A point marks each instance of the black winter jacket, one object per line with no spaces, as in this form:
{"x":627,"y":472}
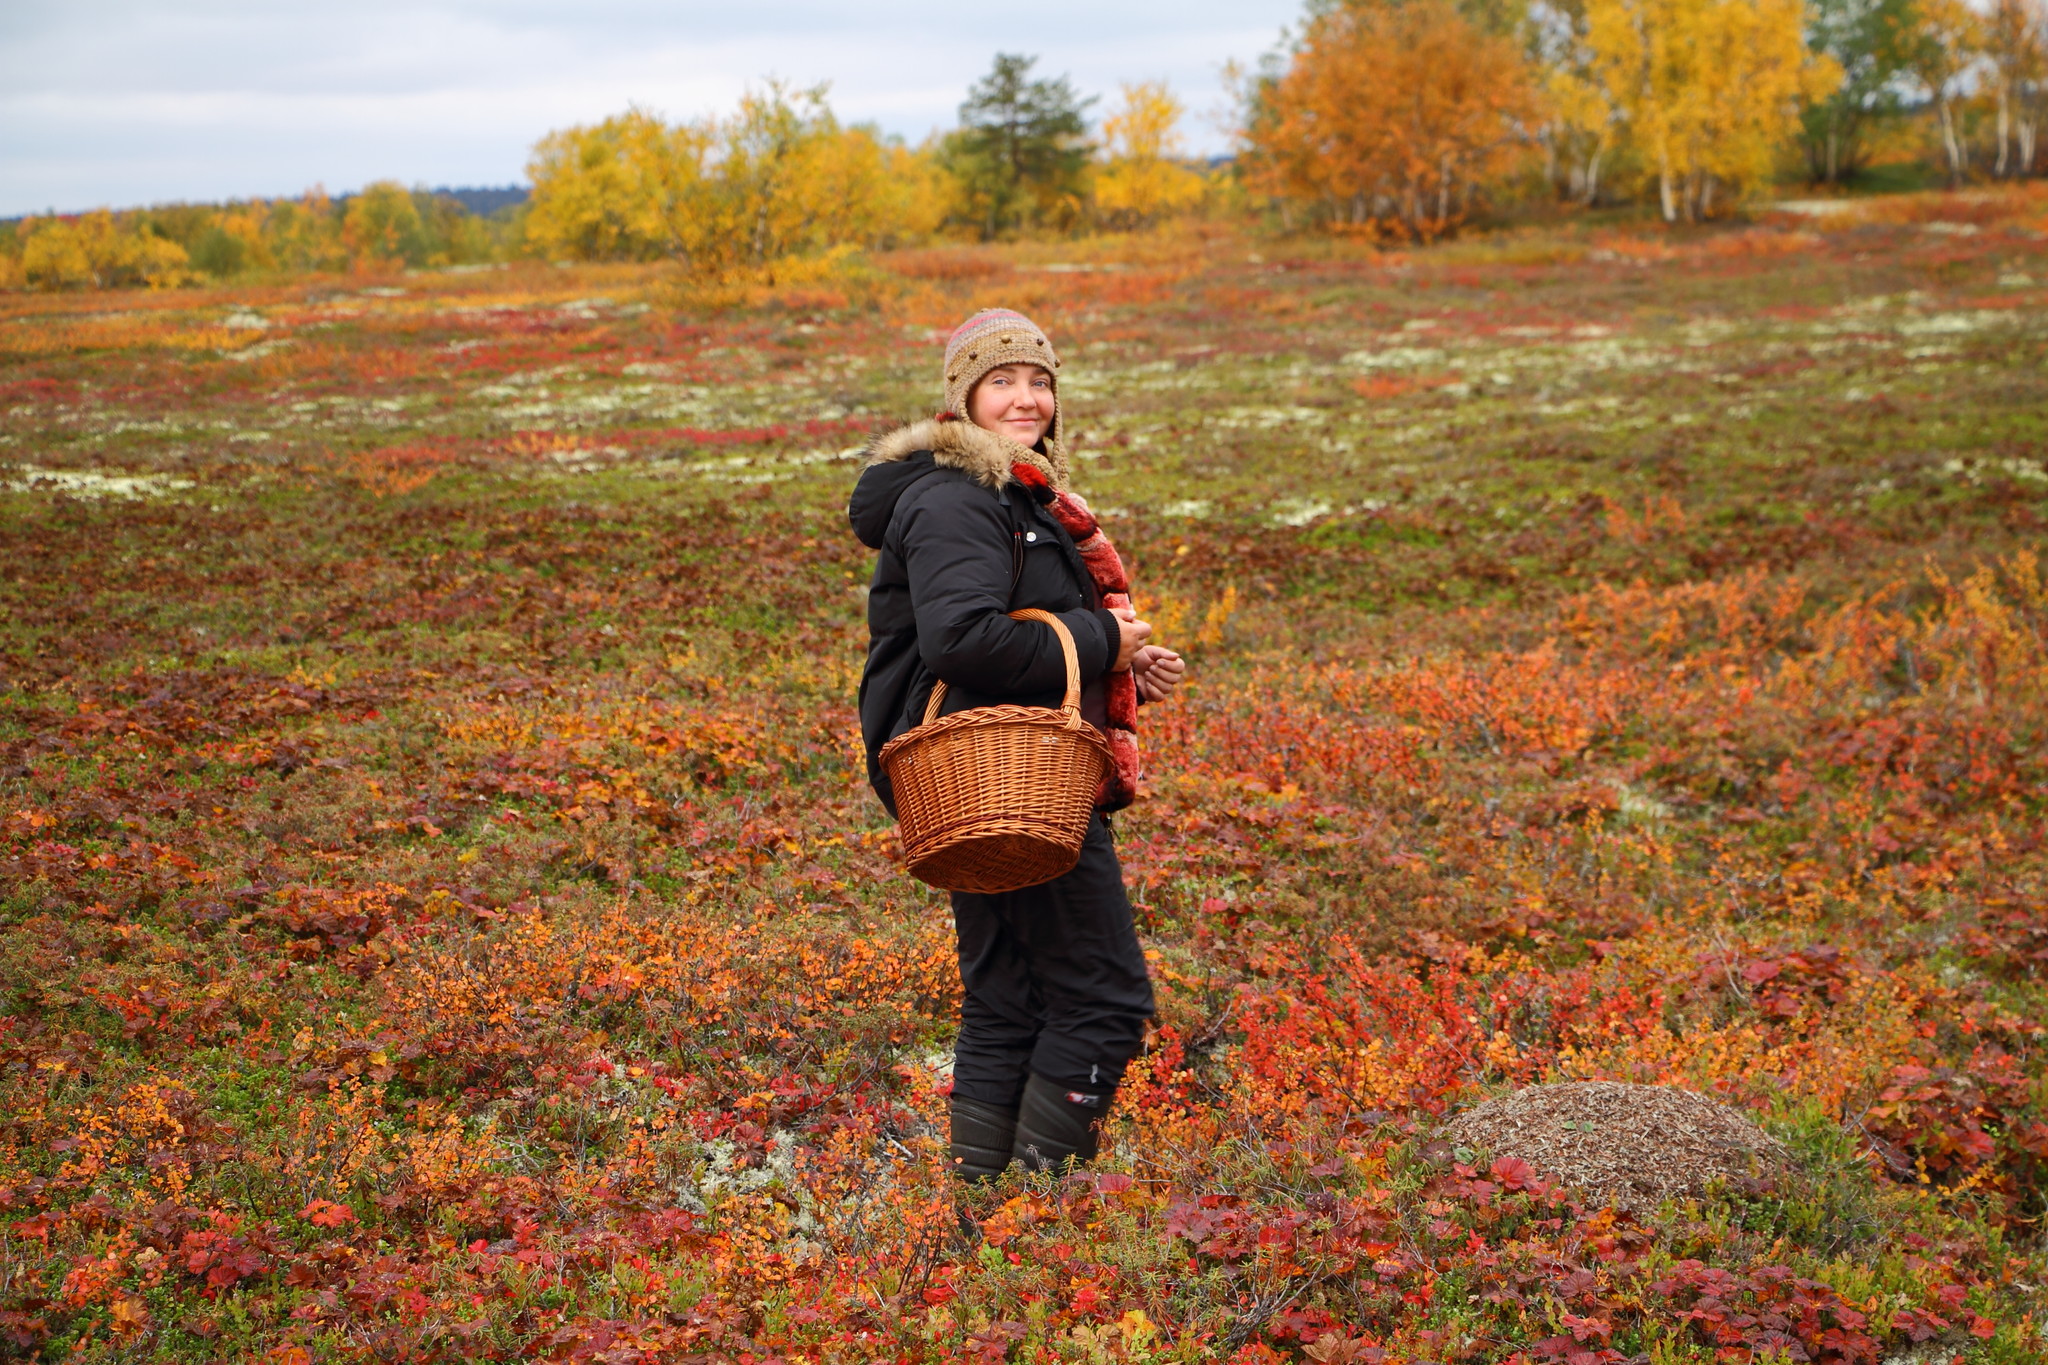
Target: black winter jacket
{"x":959,"y":546}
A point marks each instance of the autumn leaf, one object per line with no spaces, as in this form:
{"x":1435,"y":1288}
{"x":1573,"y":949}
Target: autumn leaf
{"x":129,"y":1315}
{"x":327,"y":1214}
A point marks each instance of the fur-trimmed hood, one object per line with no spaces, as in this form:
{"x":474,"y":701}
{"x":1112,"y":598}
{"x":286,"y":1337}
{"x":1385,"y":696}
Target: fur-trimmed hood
{"x":957,"y":444}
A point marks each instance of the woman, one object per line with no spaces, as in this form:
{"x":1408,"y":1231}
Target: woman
{"x":972,"y":518}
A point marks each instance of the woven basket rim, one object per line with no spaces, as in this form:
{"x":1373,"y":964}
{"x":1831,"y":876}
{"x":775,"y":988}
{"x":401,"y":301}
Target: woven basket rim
{"x":989,"y":717}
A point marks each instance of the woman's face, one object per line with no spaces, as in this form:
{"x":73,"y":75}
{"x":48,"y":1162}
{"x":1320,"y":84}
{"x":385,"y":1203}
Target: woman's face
{"x":1015,"y":400}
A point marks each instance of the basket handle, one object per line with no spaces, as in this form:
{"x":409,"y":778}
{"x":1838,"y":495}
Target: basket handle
{"x":1071,"y":705}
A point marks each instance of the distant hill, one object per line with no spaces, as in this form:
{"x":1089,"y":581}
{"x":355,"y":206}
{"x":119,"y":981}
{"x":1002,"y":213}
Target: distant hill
{"x":483,"y":201}
{"x":486,"y":201}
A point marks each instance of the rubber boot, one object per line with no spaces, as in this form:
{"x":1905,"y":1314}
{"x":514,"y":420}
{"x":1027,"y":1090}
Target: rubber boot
{"x":982,"y":1135}
{"x":1056,"y":1125}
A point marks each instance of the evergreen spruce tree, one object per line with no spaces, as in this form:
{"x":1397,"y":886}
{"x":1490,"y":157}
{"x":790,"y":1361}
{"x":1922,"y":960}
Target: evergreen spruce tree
{"x":1020,"y":153}
{"x":1871,"y":40}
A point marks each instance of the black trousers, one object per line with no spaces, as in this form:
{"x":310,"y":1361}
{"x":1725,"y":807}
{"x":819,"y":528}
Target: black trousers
{"x":1053,"y":981}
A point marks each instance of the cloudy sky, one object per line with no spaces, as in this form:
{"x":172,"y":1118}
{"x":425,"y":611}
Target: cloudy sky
{"x":124,"y":102}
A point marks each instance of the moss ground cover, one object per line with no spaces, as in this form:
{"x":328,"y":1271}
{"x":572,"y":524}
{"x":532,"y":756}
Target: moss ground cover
{"x":444,"y":919}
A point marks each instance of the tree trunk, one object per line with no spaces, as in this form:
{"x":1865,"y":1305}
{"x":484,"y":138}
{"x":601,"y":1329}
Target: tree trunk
{"x":1667,"y":190}
{"x":2004,"y":134}
{"x":1593,"y":175}
{"x":1951,"y":144}
{"x":1852,"y":156}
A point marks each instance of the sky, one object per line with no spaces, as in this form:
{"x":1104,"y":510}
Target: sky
{"x":118,"y":103}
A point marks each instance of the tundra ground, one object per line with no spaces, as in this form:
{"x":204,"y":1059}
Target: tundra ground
{"x":445,"y":920}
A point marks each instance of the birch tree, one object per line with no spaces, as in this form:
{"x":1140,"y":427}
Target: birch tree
{"x":1948,"y":39}
{"x":2016,"y":48}
{"x":1708,"y":89}
{"x":1142,"y":177}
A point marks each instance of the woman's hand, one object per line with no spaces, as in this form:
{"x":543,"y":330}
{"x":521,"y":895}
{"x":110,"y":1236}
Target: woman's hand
{"x":1131,"y":636}
{"x":1157,"y":670}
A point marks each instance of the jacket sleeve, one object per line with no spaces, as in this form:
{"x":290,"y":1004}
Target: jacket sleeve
{"x":956,"y":546}
{"x":1113,"y":636}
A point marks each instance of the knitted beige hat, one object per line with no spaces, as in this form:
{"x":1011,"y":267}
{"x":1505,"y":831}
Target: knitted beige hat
{"x":992,"y":337}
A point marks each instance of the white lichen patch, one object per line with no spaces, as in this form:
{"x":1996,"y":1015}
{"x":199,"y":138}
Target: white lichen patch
{"x":1640,"y":808}
{"x":1976,"y":471}
{"x":1395,"y":358}
{"x":1936,"y":324}
{"x":93,"y":483}
{"x":583,"y":459}
{"x":1267,"y":417}
{"x":1299,"y":511}
{"x":258,"y":351}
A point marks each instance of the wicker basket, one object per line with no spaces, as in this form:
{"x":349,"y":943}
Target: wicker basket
{"x":998,"y":798}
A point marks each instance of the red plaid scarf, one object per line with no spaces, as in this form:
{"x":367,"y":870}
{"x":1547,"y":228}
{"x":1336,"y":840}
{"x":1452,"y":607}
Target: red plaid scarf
{"x":1106,"y":567}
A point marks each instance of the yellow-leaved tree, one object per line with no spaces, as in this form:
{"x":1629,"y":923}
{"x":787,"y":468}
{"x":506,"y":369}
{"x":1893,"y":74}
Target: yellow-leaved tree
{"x":1707,"y":89}
{"x":1580,"y":123}
{"x":1142,"y":178}
{"x":612,"y":191}
{"x":98,"y":250}
{"x":729,"y":198}
{"x":381,"y":226}
{"x":789,"y":181}
{"x":1581,"y":131}
{"x":301,"y":234}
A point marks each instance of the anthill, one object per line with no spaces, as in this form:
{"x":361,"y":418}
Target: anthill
{"x":1630,"y":1145}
